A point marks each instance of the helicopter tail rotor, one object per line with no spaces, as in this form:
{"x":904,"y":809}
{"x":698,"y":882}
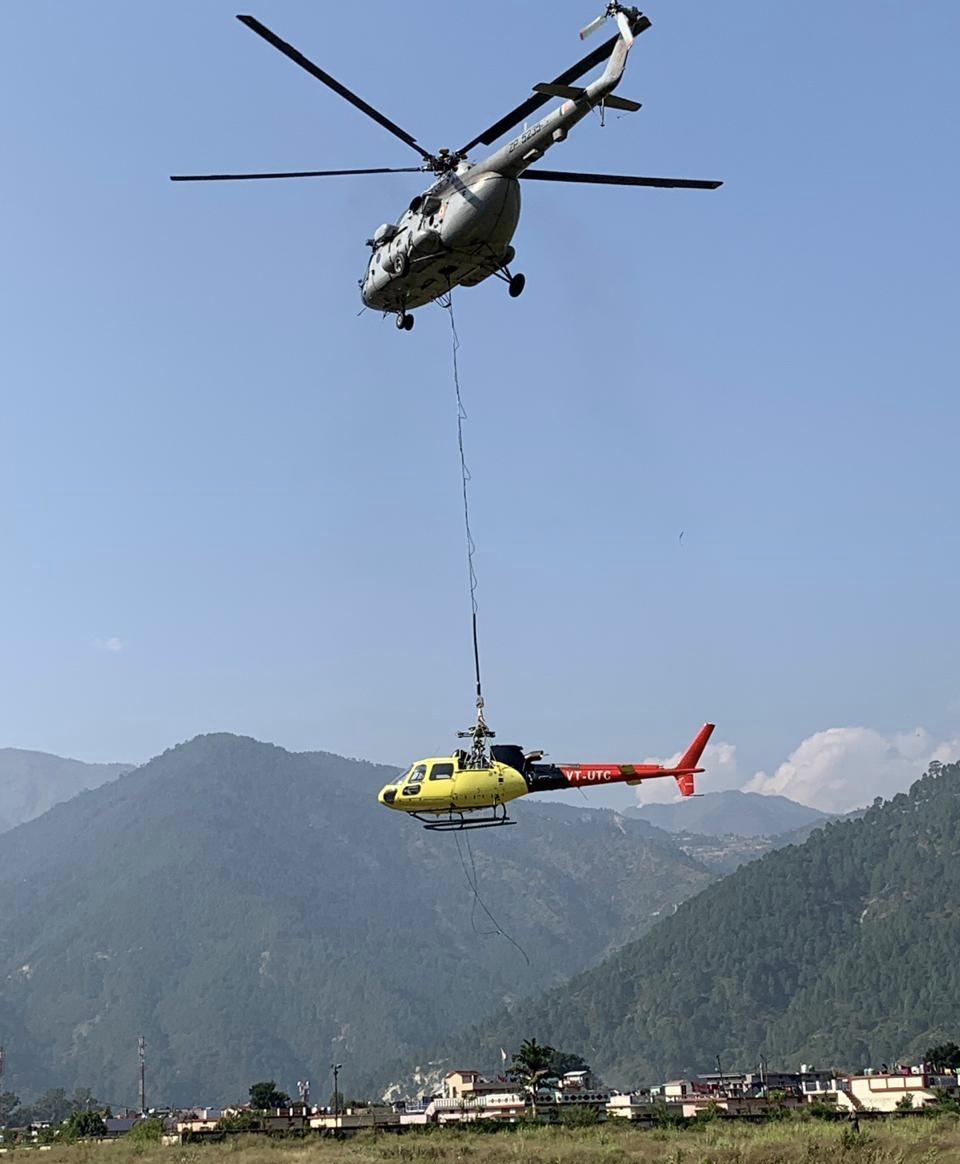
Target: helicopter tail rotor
{"x":623,"y":23}
{"x":592,"y":27}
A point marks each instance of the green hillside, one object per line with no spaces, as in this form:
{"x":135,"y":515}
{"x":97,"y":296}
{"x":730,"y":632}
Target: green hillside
{"x":254,"y":913}
{"x":32,"y":782}
{"x":839,"y":951}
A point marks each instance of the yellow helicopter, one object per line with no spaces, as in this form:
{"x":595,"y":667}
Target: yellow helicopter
{"x":445,"y":792}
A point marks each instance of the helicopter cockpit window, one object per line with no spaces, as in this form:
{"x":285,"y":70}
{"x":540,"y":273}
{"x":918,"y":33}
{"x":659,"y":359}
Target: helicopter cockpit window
{"x":383,"y":234}
{"x":442,"y":772}
{"x":417,"y":773}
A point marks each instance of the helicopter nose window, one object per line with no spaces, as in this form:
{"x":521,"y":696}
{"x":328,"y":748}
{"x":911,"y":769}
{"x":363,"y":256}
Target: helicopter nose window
{"x":411,"y":783}
{"x":442,"y":772}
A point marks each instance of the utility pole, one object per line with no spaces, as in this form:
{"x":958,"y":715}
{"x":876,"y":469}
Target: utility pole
{"x":336,"y":1068}
{"x":3,"y":1064}
{"x":142,"y":1055}
{"x":720,"y":1073}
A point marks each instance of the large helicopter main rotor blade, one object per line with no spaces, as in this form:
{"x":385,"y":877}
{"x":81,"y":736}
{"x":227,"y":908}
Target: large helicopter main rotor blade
{"x":532,"y":104}
{"x":315,"y":71}
{"x":620,"y":180}
{"x":292,"y":174}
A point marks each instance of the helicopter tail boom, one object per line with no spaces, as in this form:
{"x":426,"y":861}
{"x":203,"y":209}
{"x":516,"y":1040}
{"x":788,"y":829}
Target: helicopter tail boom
{"x":684,"y":771}
{"x":631,"y":23}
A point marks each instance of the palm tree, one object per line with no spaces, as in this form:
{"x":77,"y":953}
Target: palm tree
{"x":531,"y":1064}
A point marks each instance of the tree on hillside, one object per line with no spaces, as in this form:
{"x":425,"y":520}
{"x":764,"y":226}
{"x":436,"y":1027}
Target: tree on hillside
{"x":8,"y":1107}
{"x":85,"y":1125}
{"x":561,"y":1062}
{"x":52,"y":1107}
{"x":944,"y":1057}
{"x":265,"y":1095}
{"x":531,"y":1064}
{"x":84,"y":1100}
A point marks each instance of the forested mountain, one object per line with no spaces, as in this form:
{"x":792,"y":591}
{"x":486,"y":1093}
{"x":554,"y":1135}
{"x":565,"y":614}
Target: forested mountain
{"x":255,"y":913}
{"x":32,"y":782}
{"x":724,"y":854}
{"x":839,"y":951}
{"x":744,"y":814}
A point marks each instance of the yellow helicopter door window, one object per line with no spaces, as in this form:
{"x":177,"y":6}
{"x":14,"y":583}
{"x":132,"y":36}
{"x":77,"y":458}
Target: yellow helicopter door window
{"x":442,"y":772}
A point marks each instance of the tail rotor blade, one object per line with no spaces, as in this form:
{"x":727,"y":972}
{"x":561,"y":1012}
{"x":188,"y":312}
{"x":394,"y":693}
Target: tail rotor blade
{"x":592,"y":27}
{"x":626,"y":31}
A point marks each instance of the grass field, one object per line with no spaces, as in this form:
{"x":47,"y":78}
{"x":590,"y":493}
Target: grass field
{"x":927,"y":1141}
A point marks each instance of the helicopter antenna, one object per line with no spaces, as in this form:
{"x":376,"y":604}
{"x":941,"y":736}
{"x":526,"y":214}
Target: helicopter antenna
{"x":479,"y":733}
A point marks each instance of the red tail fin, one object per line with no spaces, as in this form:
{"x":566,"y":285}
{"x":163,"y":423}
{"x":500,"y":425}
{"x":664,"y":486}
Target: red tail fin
{"x":687,"y":768}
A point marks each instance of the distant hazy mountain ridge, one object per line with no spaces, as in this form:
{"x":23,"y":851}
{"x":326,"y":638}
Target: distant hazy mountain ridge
{"x":838,"y":951}
{"x":32,"y":782}
{"x":744,"y":814}
{"x":254,"y":912}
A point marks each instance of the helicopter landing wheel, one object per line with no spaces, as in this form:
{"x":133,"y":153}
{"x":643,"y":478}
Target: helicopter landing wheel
{"x":404,"y":322}
{"x":517,"y":284}
{"x":401,"y":264}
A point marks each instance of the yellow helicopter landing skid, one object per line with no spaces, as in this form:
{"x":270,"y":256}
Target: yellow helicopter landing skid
{"x":456,"y":822}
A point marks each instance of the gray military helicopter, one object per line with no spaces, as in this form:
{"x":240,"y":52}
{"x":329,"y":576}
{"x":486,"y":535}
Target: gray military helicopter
{"x":459,"y":231}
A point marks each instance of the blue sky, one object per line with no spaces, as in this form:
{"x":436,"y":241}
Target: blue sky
{"x":211,"y":463}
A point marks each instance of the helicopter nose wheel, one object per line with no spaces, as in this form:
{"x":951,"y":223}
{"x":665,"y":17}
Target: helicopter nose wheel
{"x":404,"y":322}
{"x":516,"y":285}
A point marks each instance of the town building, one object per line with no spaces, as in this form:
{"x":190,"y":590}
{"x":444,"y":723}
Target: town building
{"x":890,"y":1092}
{"x":462,"y":1084}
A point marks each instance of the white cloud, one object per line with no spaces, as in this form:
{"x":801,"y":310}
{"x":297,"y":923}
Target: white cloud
{"x":844,"y":768}
{"x":835,"y":770}
{"x":111,"y":644}
{"x":720,"y":761}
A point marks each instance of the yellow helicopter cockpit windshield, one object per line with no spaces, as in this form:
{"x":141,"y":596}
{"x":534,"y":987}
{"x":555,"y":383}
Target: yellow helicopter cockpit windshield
{"x":427,"y":782}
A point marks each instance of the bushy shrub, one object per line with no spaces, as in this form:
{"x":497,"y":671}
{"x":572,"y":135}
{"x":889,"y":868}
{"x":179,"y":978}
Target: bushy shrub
{"x":85,"y":1125}
{"x":579,"y":1115}
{"x":146,"y":1132}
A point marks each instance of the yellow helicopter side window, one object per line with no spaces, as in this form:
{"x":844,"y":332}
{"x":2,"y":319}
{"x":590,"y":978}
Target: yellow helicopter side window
{"x":442,"y":771}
